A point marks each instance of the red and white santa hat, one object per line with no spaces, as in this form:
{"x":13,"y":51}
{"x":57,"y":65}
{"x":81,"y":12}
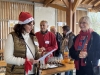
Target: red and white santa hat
{"x":25,"y":17}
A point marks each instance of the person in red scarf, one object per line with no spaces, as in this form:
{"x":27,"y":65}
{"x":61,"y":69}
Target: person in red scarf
{"x":86,"y":48}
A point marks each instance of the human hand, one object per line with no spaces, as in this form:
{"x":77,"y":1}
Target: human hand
{"x":33,"y":61}
{"x":83,"y":54}
{"x":41,"y":49}
{"x":43,"y":53}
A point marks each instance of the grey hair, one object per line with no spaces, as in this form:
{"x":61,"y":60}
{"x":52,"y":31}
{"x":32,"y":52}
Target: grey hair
{"x":52,"y":27}
{"x":44,"y":21}
{"x":86,"y":19}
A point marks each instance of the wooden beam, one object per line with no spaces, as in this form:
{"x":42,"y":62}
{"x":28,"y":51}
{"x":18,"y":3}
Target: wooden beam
{"x":66,"y":3}
{"x":96,"y":7}
{"x":76,"y":4}
{"x":58,"y":7}
{"x":36,"y":1}
{"x":96,"y":3}
{"x":85,"y":1}
{"x":90,"y":3}
{"x":99,"y":10}
{"x":74,"y":22}
{"x":46,"y":2}
{"x":69,"y":14}
{"x":82,"y":1}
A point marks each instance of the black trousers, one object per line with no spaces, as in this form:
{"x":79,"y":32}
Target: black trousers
{"x":31,"y":74}
{"x":83,"y":70}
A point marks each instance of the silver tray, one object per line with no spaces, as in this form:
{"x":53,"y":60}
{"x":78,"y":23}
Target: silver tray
{"x":50,"y":66}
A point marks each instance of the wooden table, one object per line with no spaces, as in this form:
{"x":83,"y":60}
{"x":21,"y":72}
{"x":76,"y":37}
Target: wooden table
{"x":3,"y":63}
{"x":1,"y":51}
{"x":65,"y":68}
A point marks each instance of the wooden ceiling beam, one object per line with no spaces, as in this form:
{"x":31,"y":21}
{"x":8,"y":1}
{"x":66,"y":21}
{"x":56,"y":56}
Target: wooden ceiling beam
{"x":85,"y":1}
{"x":76,"y":4}
{"x":96,"y":7}
{"x":99,"y":10}
{"x":90,"y":2}
{"x":58,"y":7}
{"x":35,"y":1}
{"x":46,"y":2}
{"x":96,"y":3}
{"x":66,"y":3}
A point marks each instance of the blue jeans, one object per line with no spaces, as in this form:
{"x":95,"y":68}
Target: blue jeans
{"x":69,"y":72}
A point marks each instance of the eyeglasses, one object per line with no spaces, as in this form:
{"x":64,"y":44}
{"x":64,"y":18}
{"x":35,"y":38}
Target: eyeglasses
{"x":82,"y":23}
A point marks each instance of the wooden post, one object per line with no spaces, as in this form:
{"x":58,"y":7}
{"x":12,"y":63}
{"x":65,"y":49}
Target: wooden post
{"x":69,"y":15}
{"x":74,"y":22}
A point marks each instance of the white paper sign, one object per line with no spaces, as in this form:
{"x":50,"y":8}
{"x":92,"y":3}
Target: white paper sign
{"x":42,"y":58}
{"x":60,"y":23}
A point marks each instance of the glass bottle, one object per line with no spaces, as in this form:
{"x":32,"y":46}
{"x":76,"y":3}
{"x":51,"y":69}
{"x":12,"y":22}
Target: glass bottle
{"x":66,"y":55}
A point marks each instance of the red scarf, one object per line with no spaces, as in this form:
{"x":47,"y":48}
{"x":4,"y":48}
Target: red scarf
{"x":87,"y":33}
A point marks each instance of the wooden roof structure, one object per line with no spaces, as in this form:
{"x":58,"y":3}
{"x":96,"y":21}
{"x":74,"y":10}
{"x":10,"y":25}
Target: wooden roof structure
{"x":70,"y":7}
{"x":91,"y":5}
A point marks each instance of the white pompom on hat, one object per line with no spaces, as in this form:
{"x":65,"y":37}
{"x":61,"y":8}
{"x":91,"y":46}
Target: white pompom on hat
{"x":25,"y":17}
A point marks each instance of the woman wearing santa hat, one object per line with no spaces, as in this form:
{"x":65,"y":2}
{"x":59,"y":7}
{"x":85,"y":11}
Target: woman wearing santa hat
{"x":20,"y":51}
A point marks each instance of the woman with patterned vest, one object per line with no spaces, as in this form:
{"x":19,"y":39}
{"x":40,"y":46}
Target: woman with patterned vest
{"x":20,"y":51}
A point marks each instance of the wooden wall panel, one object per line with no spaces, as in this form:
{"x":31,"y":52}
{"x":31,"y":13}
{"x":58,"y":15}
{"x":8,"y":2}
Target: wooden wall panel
{"x":79,"y":14}
{"x":10,"y":11}
{"x":61,"y":17}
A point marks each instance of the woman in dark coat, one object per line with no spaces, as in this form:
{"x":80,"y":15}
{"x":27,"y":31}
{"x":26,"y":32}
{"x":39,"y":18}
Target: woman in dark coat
{"x":86,"y":48}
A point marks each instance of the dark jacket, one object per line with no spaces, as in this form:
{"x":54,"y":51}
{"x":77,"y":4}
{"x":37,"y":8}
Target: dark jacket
{"x":93,"y":50}
{"x":59,"y":42}
{"x":70,"y":40}
{"x":67,"y":45}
